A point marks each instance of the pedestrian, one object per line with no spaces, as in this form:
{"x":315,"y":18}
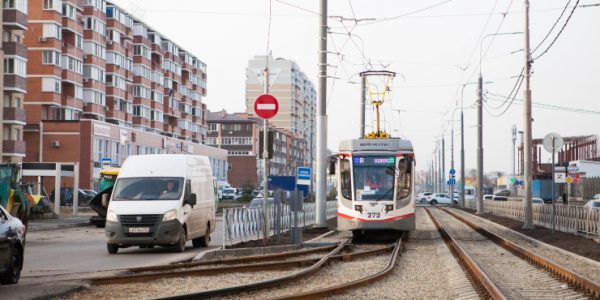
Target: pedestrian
{"x":565,"y":200}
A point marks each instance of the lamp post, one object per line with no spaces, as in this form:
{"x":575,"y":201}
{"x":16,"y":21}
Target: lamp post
{"x":480,"y":126}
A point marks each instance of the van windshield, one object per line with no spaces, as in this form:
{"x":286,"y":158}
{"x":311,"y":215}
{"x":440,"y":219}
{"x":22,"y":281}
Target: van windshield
{"x":148,"y":188}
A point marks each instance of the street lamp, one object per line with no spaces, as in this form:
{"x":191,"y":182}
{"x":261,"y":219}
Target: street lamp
{"x":480,"y":126}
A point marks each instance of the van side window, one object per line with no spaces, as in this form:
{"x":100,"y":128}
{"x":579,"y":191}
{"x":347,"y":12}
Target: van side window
{"x":188,"y":189}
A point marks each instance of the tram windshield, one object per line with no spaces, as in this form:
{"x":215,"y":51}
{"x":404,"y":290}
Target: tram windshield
{"x":374,"y":177}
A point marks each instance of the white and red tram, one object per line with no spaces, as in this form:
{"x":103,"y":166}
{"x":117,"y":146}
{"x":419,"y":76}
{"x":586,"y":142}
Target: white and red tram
{"x":375,"y":185}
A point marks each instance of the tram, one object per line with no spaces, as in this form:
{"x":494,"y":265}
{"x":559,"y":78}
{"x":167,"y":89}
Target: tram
{"x":375,"y":185}
{"x":375,"y":177}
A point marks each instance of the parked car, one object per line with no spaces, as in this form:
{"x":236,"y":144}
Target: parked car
{"x":12,"y":247}
{"x":495,"y":198}
{"x":228,"y":193}
{"x":258,"y":202}
{"x":593,"y":204}
{"x":596,"y":197}
{"x":66,"y":196}
{"x":488,"y":197}
{"x":424,"y":196}
{"x":440,"y":198}
{"x":537,"y":201}
{"x":504,"y":193}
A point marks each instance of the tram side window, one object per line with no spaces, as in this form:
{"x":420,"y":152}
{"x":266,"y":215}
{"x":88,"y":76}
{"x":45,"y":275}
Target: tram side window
{"x":404,"y":178}
{"x":346,"y":178}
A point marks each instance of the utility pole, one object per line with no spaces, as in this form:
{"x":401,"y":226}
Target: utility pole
{"x":528,"y":223}
{"x":462,"y":158}
{"x":443,"y":165}
{"x":480,"y":145}
{"x":321,"y":200}
{"x":440,"y":166}
{"x":266,"y":158}
{"x":514,"y":174}
{"x":363,"y":100}
{"x":452,"y":161}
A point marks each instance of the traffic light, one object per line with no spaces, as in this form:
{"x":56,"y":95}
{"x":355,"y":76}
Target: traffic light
{"x":269,"y":146}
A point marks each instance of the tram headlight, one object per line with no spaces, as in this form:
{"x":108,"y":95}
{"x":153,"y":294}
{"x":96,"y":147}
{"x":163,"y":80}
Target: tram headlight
{"x":358,"y":208}
{"x":389,"y":207}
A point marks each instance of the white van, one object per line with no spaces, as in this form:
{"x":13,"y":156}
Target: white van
{"x":162,"y":199}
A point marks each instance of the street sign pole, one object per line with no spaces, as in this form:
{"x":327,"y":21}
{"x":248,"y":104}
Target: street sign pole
{"x":266,"y":161}
{"x":553,"y":141}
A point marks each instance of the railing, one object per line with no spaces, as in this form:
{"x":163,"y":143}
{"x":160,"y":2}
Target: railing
{"x":244,"y":224}
{"x":569,"y":218}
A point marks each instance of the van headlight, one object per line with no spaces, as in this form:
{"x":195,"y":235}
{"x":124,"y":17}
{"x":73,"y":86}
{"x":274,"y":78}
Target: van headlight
{"x":170,"y":215}
{"x":111,"y":216}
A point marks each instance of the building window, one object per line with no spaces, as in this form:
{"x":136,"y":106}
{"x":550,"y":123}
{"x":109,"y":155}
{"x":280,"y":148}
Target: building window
{"x":142,"y":111}
{"x":212,"y":127}
{"x":16,"y":66}
{"x":91,"y":23}
{"x":78,"y":92}
{"x":156,"y":115}
{"x":93,"y":96}
{"x":93,"y":72}
{"x":142,"y":50}
{"x":53,"y":4}
{"x":73,"y":64}
{"x":94,"y":49}
{"x":97,"y":4}
{"x":116,"y":81}
{"x":51,"y":57}
{"x":51,"y":84}
{"x":20,"y":5}
{"x":157,"y":97}
{"x":141,"y":70}
{"x":141,"y":91}
{"x":52,"y":31}
{"x":69,"y":11}
{"x":79,"y":41}
{"x":114,"y":36}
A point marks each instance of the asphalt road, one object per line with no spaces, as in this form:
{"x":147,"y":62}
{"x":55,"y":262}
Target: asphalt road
{"x":83,"y":249}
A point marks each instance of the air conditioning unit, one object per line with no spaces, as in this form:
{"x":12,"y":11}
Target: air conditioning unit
{"x":85,"y":56}
{"x":55,"y":144}
{"x":43,"y":39}
{"x":109,"y":42}
{"x":106,"y":108}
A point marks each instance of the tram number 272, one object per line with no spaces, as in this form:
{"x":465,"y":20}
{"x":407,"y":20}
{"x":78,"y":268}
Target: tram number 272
{"x":373,"y":215}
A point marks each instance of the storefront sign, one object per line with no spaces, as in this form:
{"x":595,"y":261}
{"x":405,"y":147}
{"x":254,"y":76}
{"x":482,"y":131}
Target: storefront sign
{"x":101,"y":130}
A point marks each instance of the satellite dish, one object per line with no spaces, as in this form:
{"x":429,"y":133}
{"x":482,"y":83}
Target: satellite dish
{"x":553,"y":142}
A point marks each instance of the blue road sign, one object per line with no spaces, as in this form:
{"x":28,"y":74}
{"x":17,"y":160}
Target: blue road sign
{"x":451,"y":181}
{"x":452,"y":172}
{"x":303,"y":176}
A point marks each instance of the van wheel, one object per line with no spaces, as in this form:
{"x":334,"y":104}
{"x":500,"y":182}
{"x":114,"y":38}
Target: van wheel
{"x":202,"y":241}
{"x":112,"y":248}
{"x":180,"y":246}
{"x":13,"y":272}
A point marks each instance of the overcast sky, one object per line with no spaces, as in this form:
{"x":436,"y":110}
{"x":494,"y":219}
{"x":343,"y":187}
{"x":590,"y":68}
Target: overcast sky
{"x":434,"y":47}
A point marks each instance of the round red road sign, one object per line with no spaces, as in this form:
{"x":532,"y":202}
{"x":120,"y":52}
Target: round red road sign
{"x":266,"y":106}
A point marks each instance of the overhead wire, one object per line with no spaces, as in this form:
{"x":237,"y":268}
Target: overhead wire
{"x":552,"y":28}
{"x":493,"y":97}
{"x":559,"y":33}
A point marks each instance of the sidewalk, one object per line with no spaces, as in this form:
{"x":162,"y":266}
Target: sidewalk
{"x":65,"y":220}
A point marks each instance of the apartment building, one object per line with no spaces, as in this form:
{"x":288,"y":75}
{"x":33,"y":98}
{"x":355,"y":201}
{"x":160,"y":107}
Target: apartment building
{"x":108,"y":85}
{"x":238,"y":133}
{"x":13,"y":82}
{"x":295,"y":93}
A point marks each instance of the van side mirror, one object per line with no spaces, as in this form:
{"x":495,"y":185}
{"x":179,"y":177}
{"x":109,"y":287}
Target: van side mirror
{"x":192,"y":199}
{"x":332,"y":162}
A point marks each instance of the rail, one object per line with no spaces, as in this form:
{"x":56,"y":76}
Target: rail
{"x":569,"y":218}
{"x":244,"y":224}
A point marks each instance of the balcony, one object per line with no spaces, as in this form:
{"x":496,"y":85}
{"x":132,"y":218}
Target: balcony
{"x":93,"y":108}
{"x":14,"y":115}
{"x":15,"y":82}
{"x":14,"y":19}
{"x":117,"y":115}
{"x":13,"y":148}
{"x":71,"y":101}
{"x":13,"y":48}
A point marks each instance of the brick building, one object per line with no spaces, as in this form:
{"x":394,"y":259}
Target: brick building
{"x":238,"y":133}
{"x":105,"y":83}
{"x":13,"y":82}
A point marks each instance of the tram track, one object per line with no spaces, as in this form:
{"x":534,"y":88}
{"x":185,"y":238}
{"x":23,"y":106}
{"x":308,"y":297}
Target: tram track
{"x":165,"y":279}
{"x":505,"y":270}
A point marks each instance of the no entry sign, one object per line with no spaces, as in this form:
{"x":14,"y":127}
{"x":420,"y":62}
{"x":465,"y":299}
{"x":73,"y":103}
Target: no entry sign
{"x":266,"y":106}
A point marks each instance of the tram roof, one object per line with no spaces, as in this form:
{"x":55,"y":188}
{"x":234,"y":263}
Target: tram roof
{"x":376,"y":144}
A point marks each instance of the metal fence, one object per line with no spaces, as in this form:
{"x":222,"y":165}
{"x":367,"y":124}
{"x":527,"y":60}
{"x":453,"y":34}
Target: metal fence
{"x":244,"y":224}
{"x":569,"y":218}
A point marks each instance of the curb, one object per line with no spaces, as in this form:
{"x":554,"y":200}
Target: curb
{"x":44,"y":227}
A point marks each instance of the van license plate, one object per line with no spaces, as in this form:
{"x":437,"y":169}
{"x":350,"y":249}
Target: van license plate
{"x":139,"y":229}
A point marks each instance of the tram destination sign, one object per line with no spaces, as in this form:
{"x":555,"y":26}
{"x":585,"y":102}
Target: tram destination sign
{"x":374,"y":160}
